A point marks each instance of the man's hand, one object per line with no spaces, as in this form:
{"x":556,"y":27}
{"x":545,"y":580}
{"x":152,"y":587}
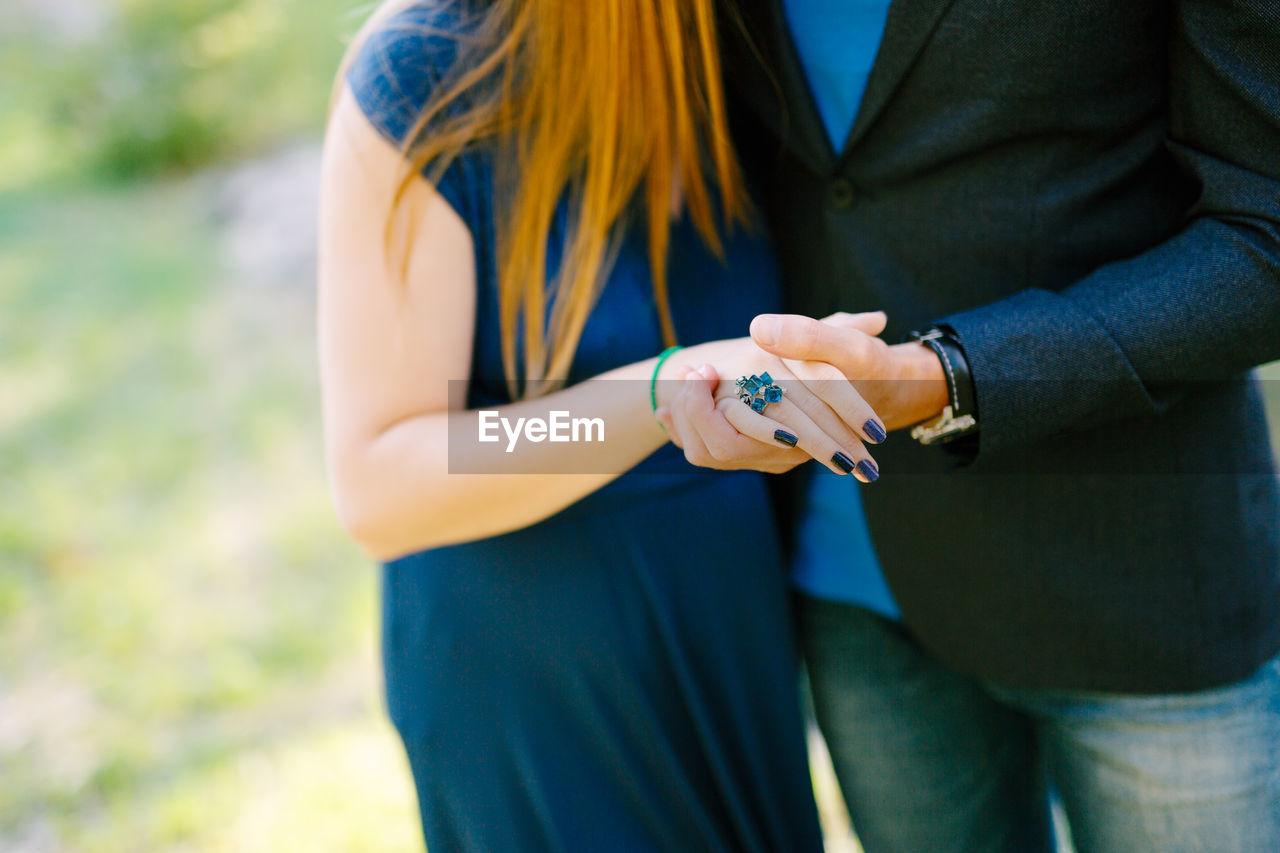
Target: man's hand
{"x":904,"y":383}
{"x":707,"y":420}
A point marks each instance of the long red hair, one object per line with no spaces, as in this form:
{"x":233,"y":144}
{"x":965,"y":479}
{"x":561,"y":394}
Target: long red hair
{"x":616,"y":105}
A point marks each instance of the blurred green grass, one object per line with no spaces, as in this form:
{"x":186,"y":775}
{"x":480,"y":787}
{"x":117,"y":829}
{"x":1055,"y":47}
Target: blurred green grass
{"x":188,"y":654}
{"x":116,"y":89}
{"x":187,"y":647}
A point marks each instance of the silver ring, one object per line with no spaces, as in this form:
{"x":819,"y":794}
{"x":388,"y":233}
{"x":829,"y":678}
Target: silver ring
{"x":758,"y":391}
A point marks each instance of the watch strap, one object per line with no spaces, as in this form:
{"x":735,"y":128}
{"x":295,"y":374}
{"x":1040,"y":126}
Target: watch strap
{"x":960,"y":416}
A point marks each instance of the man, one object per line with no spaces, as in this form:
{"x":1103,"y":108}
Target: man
{"x":1076,"y":205}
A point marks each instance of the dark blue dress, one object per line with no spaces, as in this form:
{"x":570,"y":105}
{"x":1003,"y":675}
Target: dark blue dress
{"x":621,"y":676}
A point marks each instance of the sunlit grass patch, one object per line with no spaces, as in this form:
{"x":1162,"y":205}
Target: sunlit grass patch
{"x":177,"y":603}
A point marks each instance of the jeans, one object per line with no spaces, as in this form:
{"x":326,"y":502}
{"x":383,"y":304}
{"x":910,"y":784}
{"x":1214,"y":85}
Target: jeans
{"x":930,"y":759}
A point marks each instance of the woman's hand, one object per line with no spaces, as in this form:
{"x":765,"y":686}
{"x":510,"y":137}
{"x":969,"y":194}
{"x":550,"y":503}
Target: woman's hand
{"x":703,"y":415}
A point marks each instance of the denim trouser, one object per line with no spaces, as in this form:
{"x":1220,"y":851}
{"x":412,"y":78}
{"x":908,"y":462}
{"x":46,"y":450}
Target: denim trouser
{"x":932,"y":760}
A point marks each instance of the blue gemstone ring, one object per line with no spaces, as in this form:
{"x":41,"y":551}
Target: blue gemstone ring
{"x":758,"y":391}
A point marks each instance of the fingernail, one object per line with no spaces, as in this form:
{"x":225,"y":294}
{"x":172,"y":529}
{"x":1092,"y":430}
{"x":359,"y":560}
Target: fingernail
{"x":783,"y":437}
{"x":868,"y":469}
{"x":707,"y":371}
{"x":843,"y":462}
{"x":872,"y":428}
{"x":765,"y":329}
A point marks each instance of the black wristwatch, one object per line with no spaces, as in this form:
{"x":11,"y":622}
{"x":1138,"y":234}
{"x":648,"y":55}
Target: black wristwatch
{"x":960,"y":417}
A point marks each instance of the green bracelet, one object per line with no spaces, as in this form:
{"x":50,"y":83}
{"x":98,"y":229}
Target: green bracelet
{"x":653,"y":381}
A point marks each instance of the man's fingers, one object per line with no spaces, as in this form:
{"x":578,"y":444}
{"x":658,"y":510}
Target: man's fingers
{"x":663,"y":414}
{"x":807,"y":339}
{"x":708,"y":372}
{"x":868,"y":322}
{"x":710,"y":440}
{"x":679,"y":414}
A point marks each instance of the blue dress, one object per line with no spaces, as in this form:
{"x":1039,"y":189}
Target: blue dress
{"x":621,"y":676}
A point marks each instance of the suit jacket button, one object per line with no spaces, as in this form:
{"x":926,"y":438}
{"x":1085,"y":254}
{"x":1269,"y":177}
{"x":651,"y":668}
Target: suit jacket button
{"x":842,"y":193}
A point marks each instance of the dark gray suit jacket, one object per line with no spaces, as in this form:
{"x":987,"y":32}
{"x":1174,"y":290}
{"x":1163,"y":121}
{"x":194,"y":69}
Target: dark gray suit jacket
{"x":1088,"y":192}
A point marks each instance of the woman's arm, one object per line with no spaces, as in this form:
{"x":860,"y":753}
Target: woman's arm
{"x":387,"y":353}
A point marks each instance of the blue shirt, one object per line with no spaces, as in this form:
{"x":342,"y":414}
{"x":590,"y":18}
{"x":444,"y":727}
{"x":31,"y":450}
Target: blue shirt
{"x":837,"y":42}
{"x":834,"y":558}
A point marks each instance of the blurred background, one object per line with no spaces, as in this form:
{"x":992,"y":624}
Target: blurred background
{"x":187,"y":639}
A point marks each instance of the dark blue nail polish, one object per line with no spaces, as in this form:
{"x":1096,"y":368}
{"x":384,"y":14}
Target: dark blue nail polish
{"x":783,"y":437}
{"x":868,"y":469}
{"x":872,"y":428}
{"x":844,"y":463}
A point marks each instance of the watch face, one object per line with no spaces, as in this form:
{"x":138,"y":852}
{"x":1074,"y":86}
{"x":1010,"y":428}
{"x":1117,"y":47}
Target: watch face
{"x":926,"y":335}
{"x":944,"y":428}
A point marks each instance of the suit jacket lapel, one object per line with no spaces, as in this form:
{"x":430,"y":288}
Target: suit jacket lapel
{"x":810,"y":134}
{"x":766,"y":73}
{"x":780,"y":94}
{"x":908,"y":27}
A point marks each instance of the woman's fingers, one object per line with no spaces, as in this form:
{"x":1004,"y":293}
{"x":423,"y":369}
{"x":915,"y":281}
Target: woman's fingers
{"x":844,"y":455}
{"x":710,"y":441}
{"x":716,"y":430}
{"x":760,"y":428}
{"x":837,"y":396}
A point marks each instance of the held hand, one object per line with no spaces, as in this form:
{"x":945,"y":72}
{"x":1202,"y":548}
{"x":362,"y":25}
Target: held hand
{"x":696,"y":424}
{"x":903,"y":383}
{"x":704,"y":416}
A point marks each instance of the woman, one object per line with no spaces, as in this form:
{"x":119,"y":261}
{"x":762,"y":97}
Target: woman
{"x":525,"y":195}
